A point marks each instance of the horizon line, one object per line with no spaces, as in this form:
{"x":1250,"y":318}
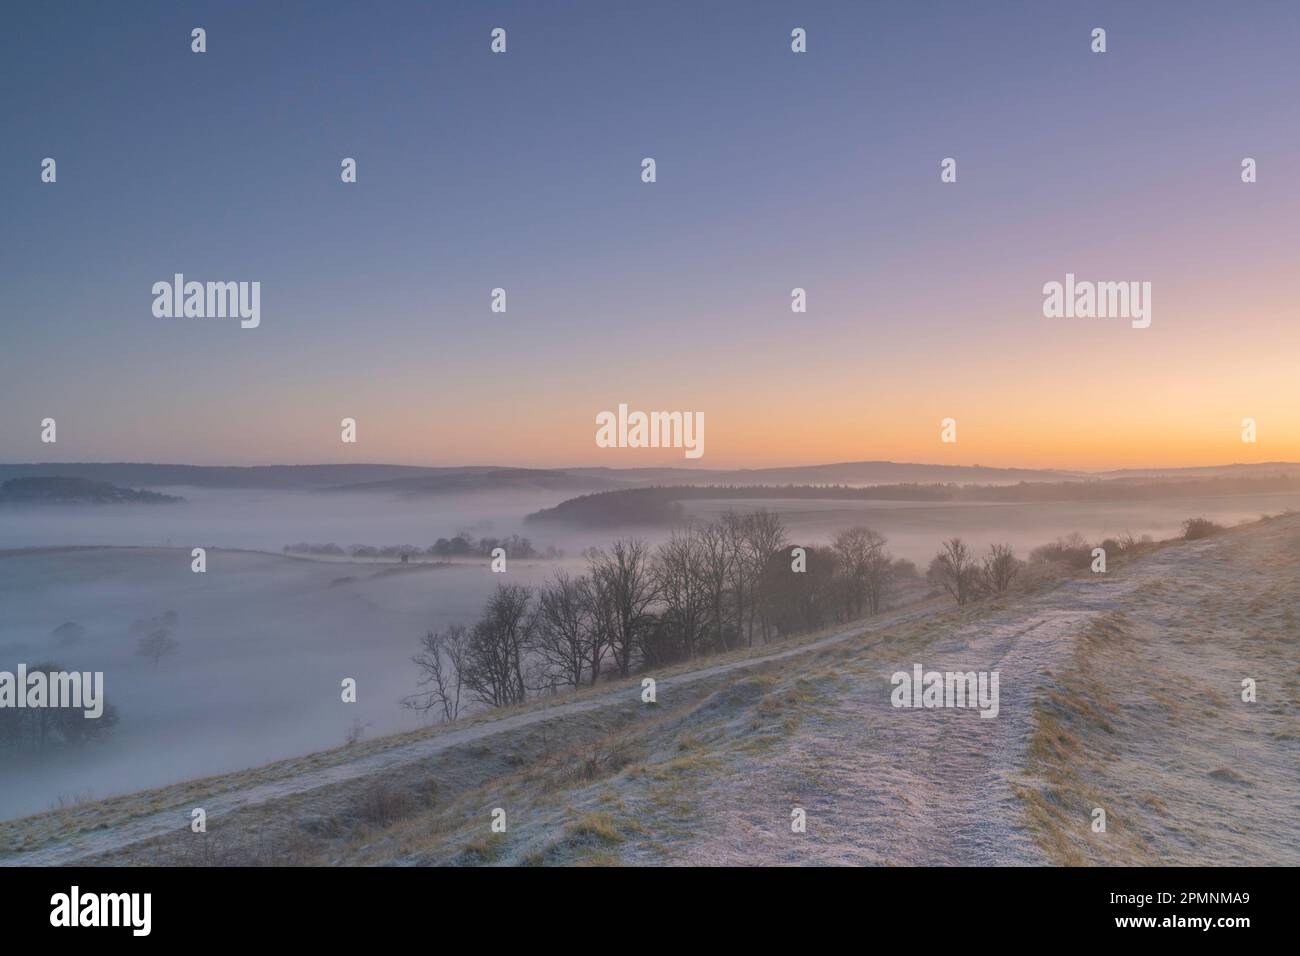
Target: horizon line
{"x":655,"y":467}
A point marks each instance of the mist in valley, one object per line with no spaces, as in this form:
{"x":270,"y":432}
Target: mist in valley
{"x":262,"y":640}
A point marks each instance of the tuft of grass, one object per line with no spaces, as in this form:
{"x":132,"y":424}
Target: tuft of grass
{"x":483,"y":849}
{"x":682,"y":766}
{"x":604,"y":757}
{"x":596,"y":826}
{"x":599,"y":859}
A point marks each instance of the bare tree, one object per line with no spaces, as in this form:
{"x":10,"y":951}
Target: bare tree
{"x":955,"y":569}
{"x":717,"y":556}
{"x":156,"y":645}
{"x":682,"y":583}
{"x":624,"y":575}
{"x":764,"y":535}
{"x":739,"y":573}
{"x":565,"y":631}
{"x":604,"y":617}
{"x":804,"y":600}
{"x":1000,"y":568}
{"x":441,"y":661}
{"x":880,"y":574}
{"x":866,"y":565}
{"x":494,"y":654}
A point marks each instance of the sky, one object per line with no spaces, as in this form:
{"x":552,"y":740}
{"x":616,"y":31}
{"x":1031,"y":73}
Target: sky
{"x":775,"y":170}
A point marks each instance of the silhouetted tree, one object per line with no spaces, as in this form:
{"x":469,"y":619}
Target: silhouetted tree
{"x":955,"y":570}
{"x":1000,"y":568}
{"x":681,"y":575}
{"x":866,"y":565}
{"x":624,"y":575}
{"x":442,"y":662}
{"x":494,"y":656}
{"x":156,"y":645}
{"x":565,"y":628}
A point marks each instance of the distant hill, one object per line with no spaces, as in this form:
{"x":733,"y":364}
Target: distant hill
{"x":496,"y":479}
{"x":218,"y":476}
{"x":417,"y":480}
{"x":840,"y":473}
{"x":662,"y":505}
{"x":63,"y":490}
{"x":410,"y":479}
{"x":1206,"y":471}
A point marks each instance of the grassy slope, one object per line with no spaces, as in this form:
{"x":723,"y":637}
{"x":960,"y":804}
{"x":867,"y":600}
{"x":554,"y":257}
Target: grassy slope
{"x":1148,"y":722}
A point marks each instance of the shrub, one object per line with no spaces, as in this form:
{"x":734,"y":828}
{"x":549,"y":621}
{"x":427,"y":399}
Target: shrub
{"x":1073,"y":551}
{"x":384,"y":803}
{"x":1194,"y":528}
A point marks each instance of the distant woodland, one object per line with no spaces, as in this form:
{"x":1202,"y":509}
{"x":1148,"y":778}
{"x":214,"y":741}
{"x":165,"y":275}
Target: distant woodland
{"x":662,"y":505}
